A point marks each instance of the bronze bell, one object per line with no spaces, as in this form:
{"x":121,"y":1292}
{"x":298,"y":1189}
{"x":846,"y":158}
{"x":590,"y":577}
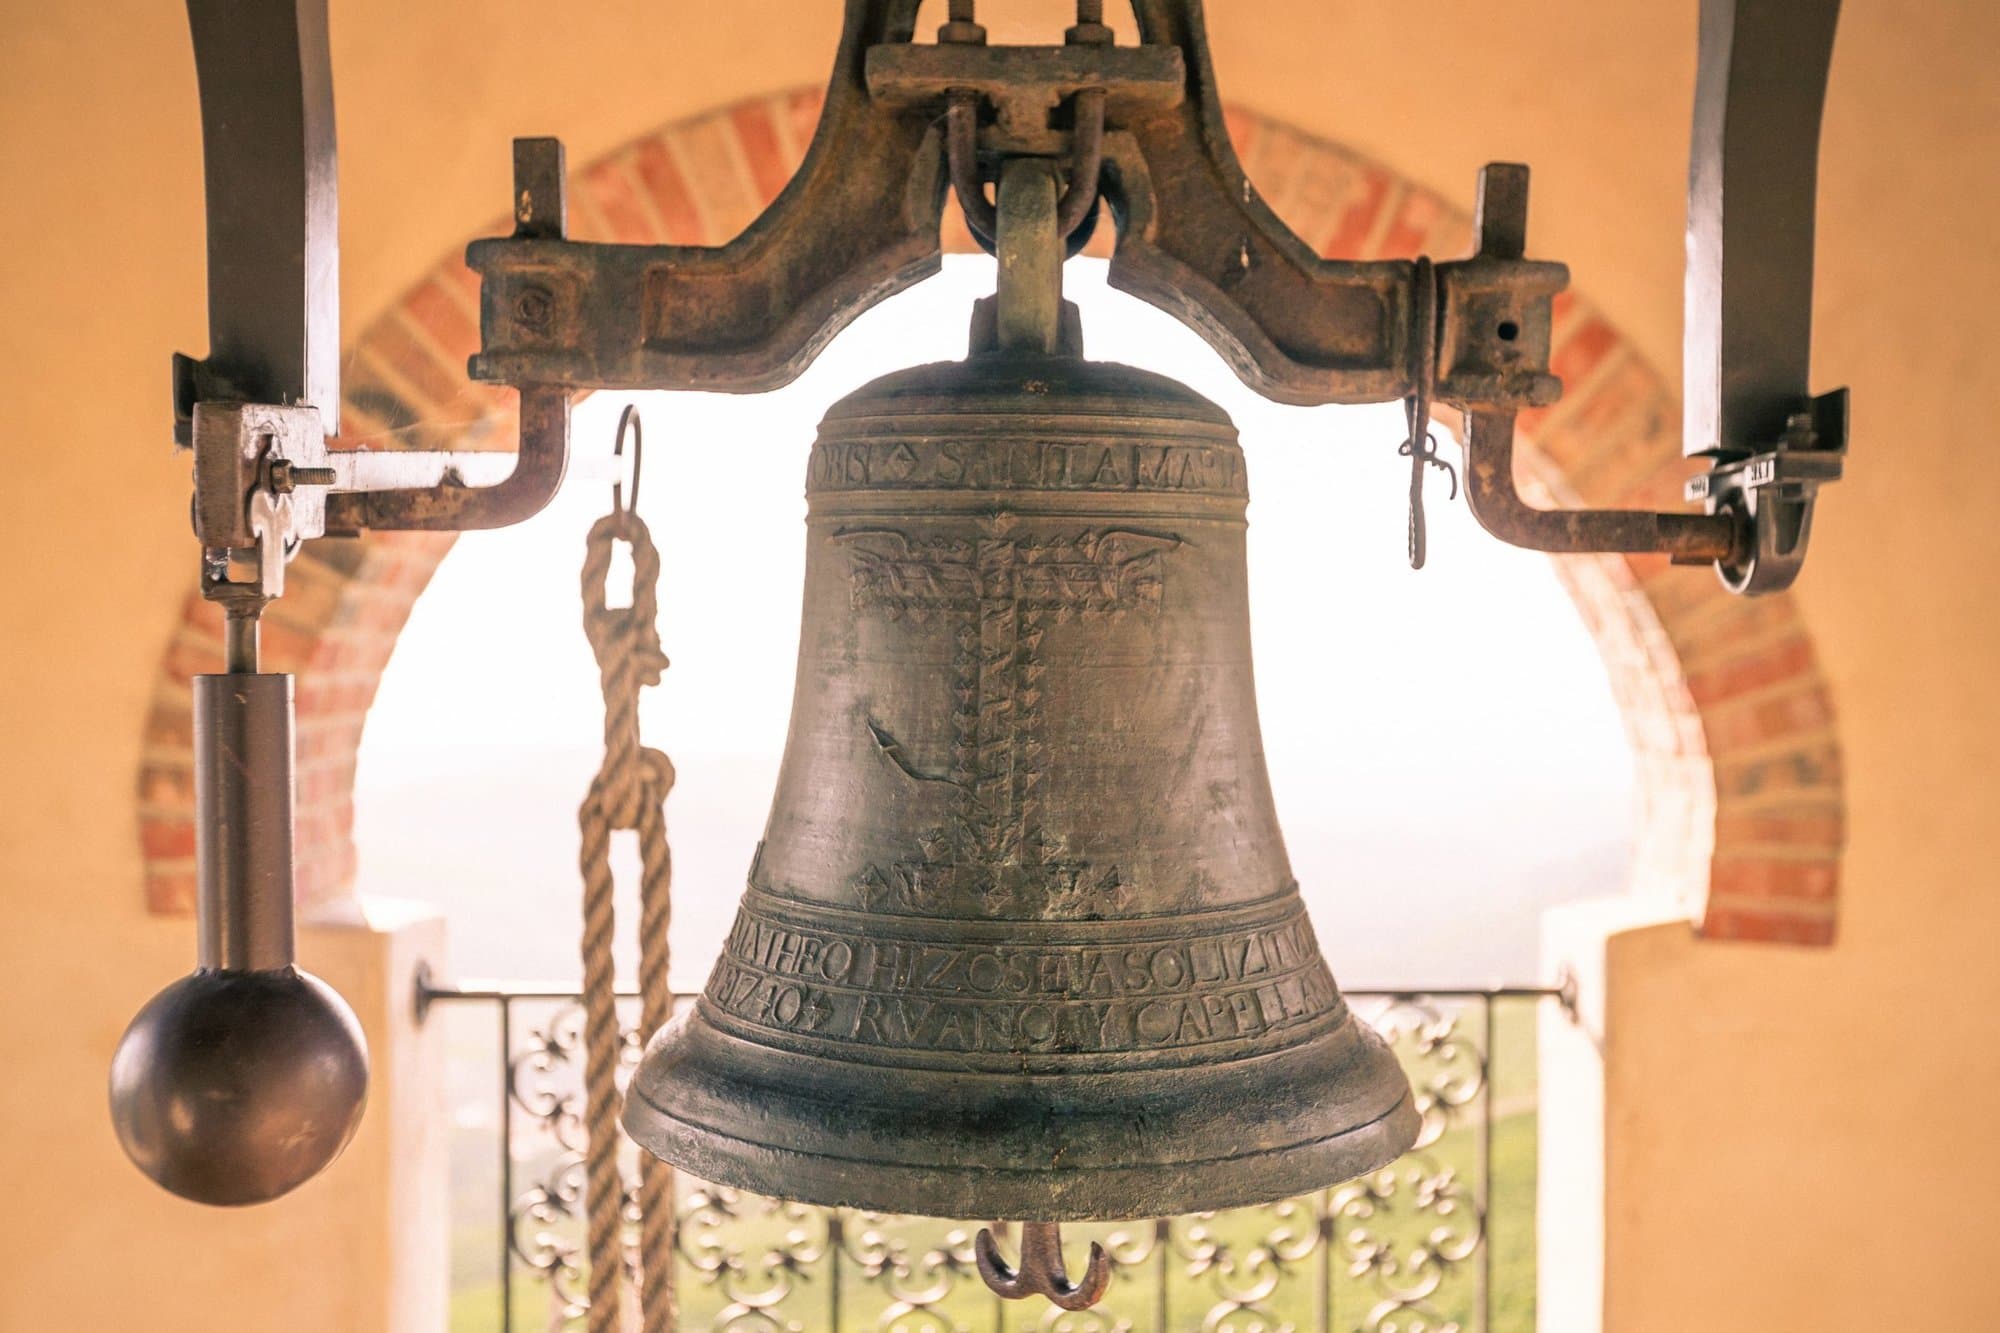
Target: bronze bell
{"x":1021,"y":939}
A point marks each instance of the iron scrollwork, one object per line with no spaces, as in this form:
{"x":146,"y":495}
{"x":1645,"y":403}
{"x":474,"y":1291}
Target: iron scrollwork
{"x":1406,"y":1249}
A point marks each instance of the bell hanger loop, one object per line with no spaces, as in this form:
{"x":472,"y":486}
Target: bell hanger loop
{"x":628,"y":424}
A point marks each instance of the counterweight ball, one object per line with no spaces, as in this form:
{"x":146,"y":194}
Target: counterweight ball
{"x":237,"y":1087}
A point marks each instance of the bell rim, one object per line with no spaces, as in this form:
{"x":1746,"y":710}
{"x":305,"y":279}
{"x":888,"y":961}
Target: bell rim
{"x":1097,"y":1190}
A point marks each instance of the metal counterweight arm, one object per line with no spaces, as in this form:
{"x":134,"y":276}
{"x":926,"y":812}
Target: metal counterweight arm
{"x":1490,"y":488}
{"x":271,"y":1060}
{"x":1762,"y":81}
{"x":1491,"y":494}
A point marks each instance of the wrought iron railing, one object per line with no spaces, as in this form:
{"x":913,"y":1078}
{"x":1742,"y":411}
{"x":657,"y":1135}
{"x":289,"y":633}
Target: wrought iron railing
{"x":1443,"y":1240}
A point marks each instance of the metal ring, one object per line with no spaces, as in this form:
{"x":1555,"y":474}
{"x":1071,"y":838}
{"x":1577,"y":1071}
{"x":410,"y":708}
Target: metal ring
{"x":1077,"y":208}
{"x":628,"y":420}
{"x":1086,"y":162}
{"x":962,"y":160}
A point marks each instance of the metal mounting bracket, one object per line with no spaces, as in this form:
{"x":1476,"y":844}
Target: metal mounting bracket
{"x":1753,"y":166}
{"x":258,"y":409}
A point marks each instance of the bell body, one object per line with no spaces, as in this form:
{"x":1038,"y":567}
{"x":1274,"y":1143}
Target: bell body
{"x":1022,"y":939}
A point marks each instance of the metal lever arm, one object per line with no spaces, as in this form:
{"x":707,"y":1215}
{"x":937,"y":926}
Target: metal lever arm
{"x":1490,"y":487}
{"x":1752,"y":173}
{"x":268,"y":165}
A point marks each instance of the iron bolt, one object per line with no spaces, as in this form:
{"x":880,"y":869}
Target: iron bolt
{"x":287,"y":476}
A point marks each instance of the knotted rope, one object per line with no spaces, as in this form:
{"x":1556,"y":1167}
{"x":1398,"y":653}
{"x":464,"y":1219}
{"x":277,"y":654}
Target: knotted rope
{"x":629,"y":792}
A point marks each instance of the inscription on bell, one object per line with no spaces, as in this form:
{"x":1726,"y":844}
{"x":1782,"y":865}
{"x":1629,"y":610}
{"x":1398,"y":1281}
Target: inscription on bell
{"x":1040,"y":465}
{"x":946,"y":996}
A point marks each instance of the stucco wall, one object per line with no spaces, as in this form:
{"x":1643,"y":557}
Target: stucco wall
{"x":1758,"y":1098}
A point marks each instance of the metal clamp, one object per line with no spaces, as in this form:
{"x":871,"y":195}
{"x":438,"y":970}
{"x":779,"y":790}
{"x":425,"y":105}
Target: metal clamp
{"x":259,"y":476}
{"x":1771,"y":495}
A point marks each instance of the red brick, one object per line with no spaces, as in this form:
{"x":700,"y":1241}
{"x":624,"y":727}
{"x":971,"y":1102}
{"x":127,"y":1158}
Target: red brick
{"x":1613,"y":408}
{"x":1749,"y":925}
{"x":1813,"y":769}
{"x":170,"y":892}
{"x":432,"y":308}
{"x":188,"y":656}
{"x":1707,"y":624}
{"x":1823,"y":829}
{"x":802,"y":110}
{"x":170,"y":726}
{"x":440,"y":382}
{"x":617,"y":198}
{"x":166,"y":838}
{"x":1581,"y":345}
{"x":168,"y":785}
{"x":672,"y":197}
{"x":1351,"y":211}
{"x":1659,"y":483}
{"x":1739,"y":725}
{"x":202,"y":616}
{"x":1784,"y":660}
{"x":1244,"y":128}
{"x":1417,"y":216}
{"x":285,"y":647}
{"x":761,"y":149}
{"x":1736,"y":880}
{"x":457,"y":273}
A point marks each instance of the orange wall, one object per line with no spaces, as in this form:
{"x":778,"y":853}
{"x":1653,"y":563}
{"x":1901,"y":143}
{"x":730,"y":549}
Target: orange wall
{"x":1759,"y":1099}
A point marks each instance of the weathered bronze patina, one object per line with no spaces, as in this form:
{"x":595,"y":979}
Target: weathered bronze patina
{"x":1022,"y":939}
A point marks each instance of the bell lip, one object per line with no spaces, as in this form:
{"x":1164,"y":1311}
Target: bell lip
{"x":968,"y":1189}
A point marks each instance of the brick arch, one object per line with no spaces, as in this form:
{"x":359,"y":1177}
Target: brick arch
{"x":1730,"y":718}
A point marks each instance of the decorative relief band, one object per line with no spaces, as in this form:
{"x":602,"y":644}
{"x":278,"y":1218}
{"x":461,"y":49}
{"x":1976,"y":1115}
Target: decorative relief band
{"x":1119,"y":992}
{"x":1001,"y":590}
{"x":1025,"y":465}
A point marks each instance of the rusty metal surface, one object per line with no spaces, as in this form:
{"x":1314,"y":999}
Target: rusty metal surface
{"x":1026,"y":84}
{"x":1021,"y":939}
{"x":858,"y":223}
{"x":1491,"y":491}
{"x":1492,"y":495}
{"x":452,"y":503}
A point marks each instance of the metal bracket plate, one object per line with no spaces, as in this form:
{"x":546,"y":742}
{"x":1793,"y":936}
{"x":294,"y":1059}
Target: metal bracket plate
{"x":241,"y":449}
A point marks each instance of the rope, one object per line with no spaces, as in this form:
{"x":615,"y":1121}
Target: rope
{"x":629,"y":792}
